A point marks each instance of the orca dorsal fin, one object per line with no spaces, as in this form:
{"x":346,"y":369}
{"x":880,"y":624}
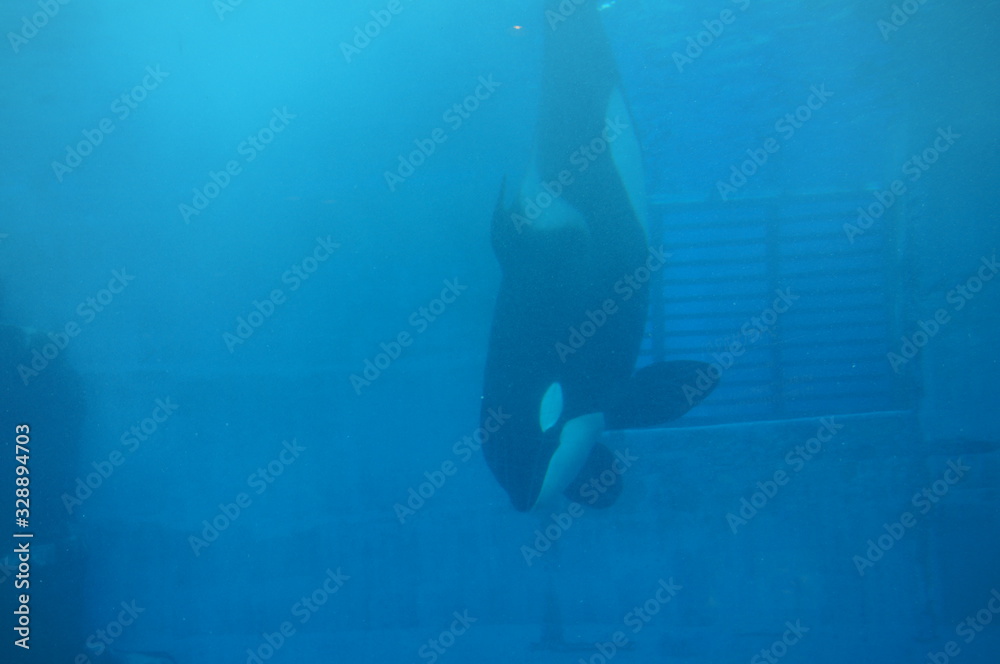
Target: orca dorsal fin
{"x":658,"y":394}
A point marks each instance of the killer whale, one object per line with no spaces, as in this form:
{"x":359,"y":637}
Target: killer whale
{"x":565,"y":247}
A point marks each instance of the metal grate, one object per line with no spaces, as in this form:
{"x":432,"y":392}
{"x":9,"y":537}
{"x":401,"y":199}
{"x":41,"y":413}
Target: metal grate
{"x":820,"y":349}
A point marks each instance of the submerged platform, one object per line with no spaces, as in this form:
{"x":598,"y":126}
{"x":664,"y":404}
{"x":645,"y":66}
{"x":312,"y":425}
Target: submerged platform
{"x":845,"y":538}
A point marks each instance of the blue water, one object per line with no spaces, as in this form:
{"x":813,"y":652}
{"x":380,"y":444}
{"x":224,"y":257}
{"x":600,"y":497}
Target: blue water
{"x":247,"y":329}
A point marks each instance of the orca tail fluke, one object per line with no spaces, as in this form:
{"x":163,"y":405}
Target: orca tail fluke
{"x":659,"y":393}
{"x":579,"y":73}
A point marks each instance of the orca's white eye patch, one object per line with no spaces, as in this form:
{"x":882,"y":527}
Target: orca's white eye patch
{"x":551,"y":407}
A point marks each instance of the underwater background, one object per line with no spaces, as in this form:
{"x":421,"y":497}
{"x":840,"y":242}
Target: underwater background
{"x":220,"y":217}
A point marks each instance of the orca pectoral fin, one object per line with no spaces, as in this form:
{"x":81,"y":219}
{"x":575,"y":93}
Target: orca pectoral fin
{"x":659,"y":393}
